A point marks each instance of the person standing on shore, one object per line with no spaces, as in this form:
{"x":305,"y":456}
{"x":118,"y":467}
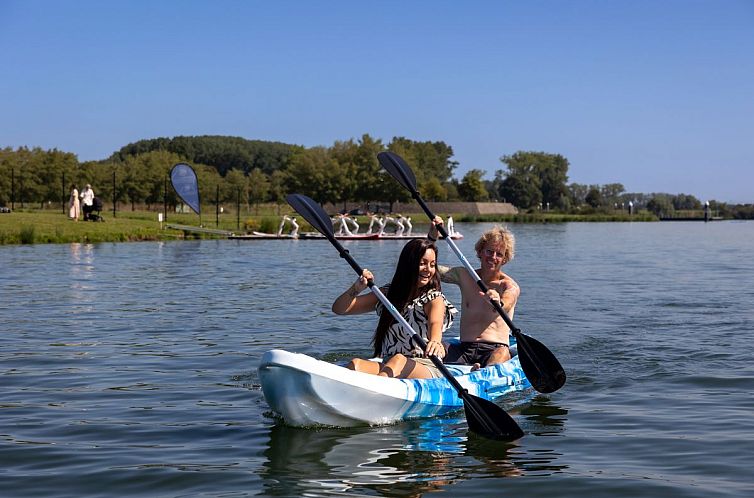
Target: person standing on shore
{"x":74,"y":208}
{"x":87,"y":199}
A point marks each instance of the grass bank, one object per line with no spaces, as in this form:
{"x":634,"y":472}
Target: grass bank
{"x":29,"y":226}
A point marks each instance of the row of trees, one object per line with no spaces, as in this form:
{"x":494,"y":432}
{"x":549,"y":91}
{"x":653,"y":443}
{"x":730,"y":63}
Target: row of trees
{"x":260,"y":171}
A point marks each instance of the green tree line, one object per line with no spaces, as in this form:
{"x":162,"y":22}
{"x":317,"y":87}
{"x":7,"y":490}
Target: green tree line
{"x":254,"y":171}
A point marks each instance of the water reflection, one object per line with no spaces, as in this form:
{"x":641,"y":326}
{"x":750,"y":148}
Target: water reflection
{"x":407,"y":459}
{"x":81,"y":275}
{"x":544,"y":418}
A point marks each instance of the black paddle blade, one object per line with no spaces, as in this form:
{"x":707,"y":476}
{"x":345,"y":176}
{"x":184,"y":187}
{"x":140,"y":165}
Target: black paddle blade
{"x":539,"y":364}
{"x":489,"y":420}
{"x":311,"y":212}
{"x":398,"y":169}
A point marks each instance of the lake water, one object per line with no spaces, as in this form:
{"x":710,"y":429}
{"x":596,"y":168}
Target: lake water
{"x":131,"y":369}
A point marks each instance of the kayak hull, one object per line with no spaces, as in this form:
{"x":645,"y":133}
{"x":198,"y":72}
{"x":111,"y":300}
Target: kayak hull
{"x":305,"y":391}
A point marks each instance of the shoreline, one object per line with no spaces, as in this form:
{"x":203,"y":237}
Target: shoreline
{"x":31,"y":226}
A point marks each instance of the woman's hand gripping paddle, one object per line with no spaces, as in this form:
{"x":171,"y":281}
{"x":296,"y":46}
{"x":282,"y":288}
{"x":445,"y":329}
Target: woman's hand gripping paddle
{"x":484,"y":417}
{"x":539,"y":364}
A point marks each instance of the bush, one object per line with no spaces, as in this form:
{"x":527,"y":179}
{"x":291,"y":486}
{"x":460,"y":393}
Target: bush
{"x":26,"y":234}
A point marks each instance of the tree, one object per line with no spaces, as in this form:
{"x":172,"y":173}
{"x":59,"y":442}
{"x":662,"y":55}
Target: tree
{"x":553,"y":175}
{"x":611,"y":193}
{"x":314,"y":172}
{"x":534,"y":171}
{"x":370,"y":184}
{"x":346,"y":154}
{"x":222,"y":152}
{"x":660,"y":205}
{"x":472,"y":187}
{"x":278,"y":181}
{"x":434,"y":191}
{"x":520,"y":192}
{"x":594,"y":197}
{"x":236,"y":185}
{"x":577,"y":193}
{"x":493,"y":186}
{"x":683,"y":201}
{"x":259,"y":187}
{"x":427,"y":159}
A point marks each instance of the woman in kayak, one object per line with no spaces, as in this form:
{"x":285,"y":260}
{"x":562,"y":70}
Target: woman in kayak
{"x":415,"y":293}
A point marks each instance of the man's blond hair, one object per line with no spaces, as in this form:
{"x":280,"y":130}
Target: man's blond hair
{"x":498,"y":236}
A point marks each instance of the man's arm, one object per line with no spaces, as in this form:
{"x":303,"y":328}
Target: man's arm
{"x":509,"y":292}
{"x":450,"y":275}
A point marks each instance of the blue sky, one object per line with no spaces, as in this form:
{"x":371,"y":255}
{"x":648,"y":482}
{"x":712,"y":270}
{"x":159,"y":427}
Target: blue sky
{"x":656,"y":95}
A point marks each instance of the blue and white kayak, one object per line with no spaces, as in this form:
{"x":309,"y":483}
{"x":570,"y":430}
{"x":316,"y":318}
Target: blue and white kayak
{"x":305,"y":391}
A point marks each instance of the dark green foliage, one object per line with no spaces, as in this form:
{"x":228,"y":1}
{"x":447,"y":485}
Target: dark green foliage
{"x":223,"y":153}
{"x":534,"y":179}
{"x":472,"y":186}
{"x":26,"y":235}
{"x":593,"y":197}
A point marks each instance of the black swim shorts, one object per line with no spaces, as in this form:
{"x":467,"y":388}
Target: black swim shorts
{"x":468,"y":353}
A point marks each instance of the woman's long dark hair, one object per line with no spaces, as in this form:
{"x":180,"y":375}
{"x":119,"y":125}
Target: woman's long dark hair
{"x":403,"y":287}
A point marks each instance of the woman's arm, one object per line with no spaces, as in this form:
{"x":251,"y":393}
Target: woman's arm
{"x":351,"y":303}
{"x":435,"y":310}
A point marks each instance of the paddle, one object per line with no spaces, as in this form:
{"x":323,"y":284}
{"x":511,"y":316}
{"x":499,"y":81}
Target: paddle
{"x":484,"y":417}
{"x":539,"y":364}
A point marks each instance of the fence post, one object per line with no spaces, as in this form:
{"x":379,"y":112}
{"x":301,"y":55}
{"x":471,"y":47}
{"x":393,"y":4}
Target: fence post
{"x":114,"y":197}
{"x":165,"y":199}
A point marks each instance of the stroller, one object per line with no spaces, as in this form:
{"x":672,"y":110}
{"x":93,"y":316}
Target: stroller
{"x":96,"y":210}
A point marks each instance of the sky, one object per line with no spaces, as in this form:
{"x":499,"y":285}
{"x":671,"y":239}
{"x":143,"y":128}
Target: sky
{"x":655,"y":95}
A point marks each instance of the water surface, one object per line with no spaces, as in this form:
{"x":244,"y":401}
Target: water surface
{"x":130,"y":369}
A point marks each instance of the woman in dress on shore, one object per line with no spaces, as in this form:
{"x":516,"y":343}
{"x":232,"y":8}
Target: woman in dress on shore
{"x":74,"y":206}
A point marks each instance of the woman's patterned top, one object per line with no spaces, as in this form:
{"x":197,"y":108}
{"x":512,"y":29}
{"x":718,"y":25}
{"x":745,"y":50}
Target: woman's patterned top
{"x":398,"y":340}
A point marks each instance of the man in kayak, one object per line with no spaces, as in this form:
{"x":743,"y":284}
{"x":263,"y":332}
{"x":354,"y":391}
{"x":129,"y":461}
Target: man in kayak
{"x":415,"y":293}
{"x":485,"y":337}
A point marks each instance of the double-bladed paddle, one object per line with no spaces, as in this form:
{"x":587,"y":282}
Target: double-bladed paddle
{"x":484,"y":417}
{"x":539,"y":364}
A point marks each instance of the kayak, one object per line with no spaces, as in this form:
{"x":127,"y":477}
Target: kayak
{"x":305,"y":391}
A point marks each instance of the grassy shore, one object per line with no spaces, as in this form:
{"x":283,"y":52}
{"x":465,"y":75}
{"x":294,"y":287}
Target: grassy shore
{"x":29,"y":226}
